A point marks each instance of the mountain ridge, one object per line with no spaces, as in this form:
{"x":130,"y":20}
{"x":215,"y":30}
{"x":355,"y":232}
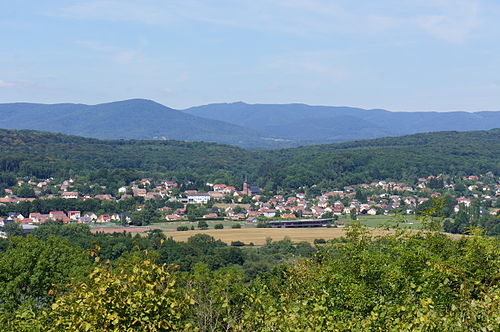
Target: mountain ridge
{"x":260,"y":126}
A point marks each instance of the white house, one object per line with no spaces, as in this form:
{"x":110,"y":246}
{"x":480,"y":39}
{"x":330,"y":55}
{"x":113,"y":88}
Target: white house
{"x":198,"y":198}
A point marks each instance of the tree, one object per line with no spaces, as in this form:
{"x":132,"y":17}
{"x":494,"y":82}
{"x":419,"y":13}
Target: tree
{"x":24,"y":191}
{"x":141,"y":296}
{"x":13,"y":229}
{"x":202,"y":224}
{"x":30,"y":268}
{"x":353,"y":214}
{"x":219,"y":226}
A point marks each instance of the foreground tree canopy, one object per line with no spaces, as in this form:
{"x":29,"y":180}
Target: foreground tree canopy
{"x":403,"y":281}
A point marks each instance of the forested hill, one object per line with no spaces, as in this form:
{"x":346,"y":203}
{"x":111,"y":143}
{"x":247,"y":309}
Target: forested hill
{"x":254,"y":126}
{"x":41,"y":154}
{"x":128,"y":119}
{"x":308,"y":124}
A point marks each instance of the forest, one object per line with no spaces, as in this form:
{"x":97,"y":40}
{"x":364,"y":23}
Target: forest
{"x":43,"y":155}
{"x":62,"y":278}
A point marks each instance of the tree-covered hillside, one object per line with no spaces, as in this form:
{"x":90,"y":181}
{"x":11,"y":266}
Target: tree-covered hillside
{"x":40,"y":154}
{"x":128,"y":119}
{"x":259,"y":126}
{"x":307,"y":124}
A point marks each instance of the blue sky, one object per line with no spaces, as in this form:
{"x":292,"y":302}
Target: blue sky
{"x":395,"y":54}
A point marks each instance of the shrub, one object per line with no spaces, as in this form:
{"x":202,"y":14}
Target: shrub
{"x":219,"y":226}
{"x":237,"y":244}
{"x":319,"y":241}
{"x":261,"y":224}
{"x":182,"y":228}
{"x":236,"y":226}
{"x":202,"y":224}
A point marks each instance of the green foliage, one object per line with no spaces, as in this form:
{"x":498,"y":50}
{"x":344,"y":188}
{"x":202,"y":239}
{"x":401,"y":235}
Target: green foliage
{"x":202,"y":224}
{"x":411,"y":281}
{"x":30,"y":268}
{"x":218,"y":226}
{"x":31,"y":153}
{"x":422,"y":281}
{"x":182,"y":228}
{"x":236,"y":226}
{"x":13,"y":229}
{"x":134,"y":297}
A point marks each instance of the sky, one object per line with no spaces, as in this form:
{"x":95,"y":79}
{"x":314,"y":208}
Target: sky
{"x":401,"y":55}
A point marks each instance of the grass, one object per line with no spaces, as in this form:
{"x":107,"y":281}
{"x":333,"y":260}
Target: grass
{"x":410,"y":221}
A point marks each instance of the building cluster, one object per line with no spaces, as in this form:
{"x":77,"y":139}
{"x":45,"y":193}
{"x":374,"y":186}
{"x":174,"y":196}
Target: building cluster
{"x":251,"y":204}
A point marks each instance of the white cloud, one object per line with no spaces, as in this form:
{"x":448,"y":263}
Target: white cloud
{"x":450,"y":20}
{"x":5,"y":84}
{"x":111,"y":10}
{"x":320,"y":66}
{"x":454,"y":21}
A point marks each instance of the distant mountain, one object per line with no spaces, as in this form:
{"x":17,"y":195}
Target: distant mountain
{"x":259,"y":126}
{"x":129,"y":119}
{"x":323,"y":124}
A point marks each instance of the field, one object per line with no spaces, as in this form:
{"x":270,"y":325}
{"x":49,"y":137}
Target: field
{"x":258,"y":236}
{"x":250,"y":234}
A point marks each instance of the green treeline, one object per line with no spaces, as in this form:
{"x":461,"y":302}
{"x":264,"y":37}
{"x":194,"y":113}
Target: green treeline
{"x":397,"y":282}
{"x":42,"y":155}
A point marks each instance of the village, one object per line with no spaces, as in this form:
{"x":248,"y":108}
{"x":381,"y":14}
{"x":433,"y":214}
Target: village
{"x":250,"y":204}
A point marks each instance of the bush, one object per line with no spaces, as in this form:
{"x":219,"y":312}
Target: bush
{"x":202,"y":224}
{"x":182,"y":228}
{"x":236,"y":226}
{"x":219,"y":226}
{"x":319,"y":241}
{"x":237,"y":244}
{"x":261,"y":224}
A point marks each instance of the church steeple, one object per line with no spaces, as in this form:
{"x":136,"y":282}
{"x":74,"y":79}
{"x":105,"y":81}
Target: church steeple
{"x":246,"y":190}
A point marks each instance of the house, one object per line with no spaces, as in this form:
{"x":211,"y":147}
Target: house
{"x":216,"y":195}
{"x":74,"y":215}
{"x":169,"y":184}
{"x":12,"y":199}
{"x":125,"y":217}
{"x":465,"y":201}
{"x":70,"y":195}
{"x":106,"y":197}
{"x":198,"y":198}
{"x":173,"y":217}
{"x":210,"y":216}
{"x":103,"y":218}
{"x":219,"y":187}
{"x":152,"y":195}
{"x":139,"y":192}
{"x":268,"y":213}
{"x":59,"y":215}
{"x":91,"y":215}
{"x":85,"y":220}
{"x":15,"y":216}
